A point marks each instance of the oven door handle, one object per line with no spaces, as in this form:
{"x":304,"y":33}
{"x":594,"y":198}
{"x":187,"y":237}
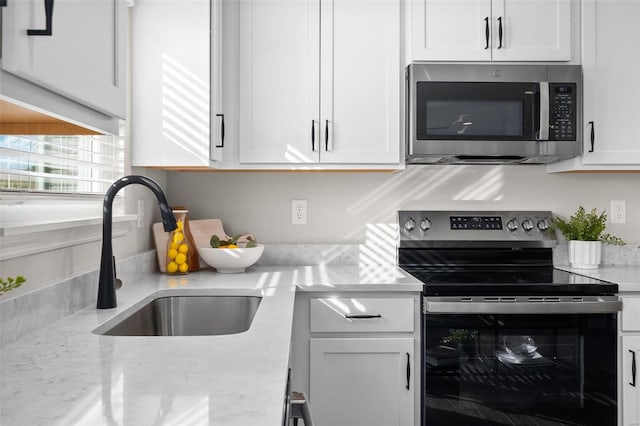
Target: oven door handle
{"x":603,"y":305}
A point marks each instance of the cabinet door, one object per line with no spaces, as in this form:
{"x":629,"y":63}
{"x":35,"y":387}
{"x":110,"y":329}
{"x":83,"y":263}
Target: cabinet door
{"x":84,"y":56}
{"x":532,"y":30}
{"x":171,"y":88}
{"x":361,"y":76}
{"x":363,"y":382}
{"x":278,"y":66}
{"x":630,"y":382}
{"x":611,"y":66}
{"x":485,"y":30}
{"x":451,"y":30}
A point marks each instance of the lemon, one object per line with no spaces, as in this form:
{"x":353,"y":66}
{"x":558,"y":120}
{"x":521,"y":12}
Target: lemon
{"x":172,"y":267}
{"x":183,"y":248}
{"x":184,"y":267}
{"x":173,"y":246}
{"x":231,"y":246}
{"x":172,"y":253}
{"x":178,"y":237}
{"x":181,"y":258}
{"x":180,"y":225}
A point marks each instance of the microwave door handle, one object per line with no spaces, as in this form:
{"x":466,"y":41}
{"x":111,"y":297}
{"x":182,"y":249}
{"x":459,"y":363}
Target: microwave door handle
{"x":544,"y":111}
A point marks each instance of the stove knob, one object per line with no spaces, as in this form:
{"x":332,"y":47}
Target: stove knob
{"x":409,"y":224}
{"x":425,"y":224}
{"x":512,"y":225}
{"x":543,"y":225}
{"x":527,"y":225}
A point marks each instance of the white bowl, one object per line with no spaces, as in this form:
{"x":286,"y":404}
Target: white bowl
{"x":230,"y":260}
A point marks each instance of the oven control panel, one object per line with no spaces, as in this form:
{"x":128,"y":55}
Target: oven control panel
{"x":488,"y":228}
{"x":475,"y":222}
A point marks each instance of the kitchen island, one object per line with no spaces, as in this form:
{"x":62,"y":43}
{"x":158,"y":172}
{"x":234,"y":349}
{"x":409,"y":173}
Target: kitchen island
{"x":65,"y":374}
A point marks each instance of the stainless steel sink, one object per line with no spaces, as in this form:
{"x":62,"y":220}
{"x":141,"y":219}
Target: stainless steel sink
{"x":189,"y":316}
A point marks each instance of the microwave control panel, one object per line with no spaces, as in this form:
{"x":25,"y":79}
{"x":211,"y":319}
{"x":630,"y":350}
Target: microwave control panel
{"x":562,"y":111}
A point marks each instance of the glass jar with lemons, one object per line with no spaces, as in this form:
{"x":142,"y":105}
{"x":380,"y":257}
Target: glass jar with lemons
{"x":178,"y":246}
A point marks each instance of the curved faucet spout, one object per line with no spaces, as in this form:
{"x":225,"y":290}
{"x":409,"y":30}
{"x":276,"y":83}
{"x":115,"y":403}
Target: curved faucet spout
{"x":106,"y":285}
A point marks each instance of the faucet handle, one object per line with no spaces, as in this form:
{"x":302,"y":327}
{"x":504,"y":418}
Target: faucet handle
{"x":116,"y":281}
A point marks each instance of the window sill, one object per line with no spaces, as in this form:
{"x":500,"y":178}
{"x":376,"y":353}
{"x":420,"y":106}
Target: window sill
{"x":22,"y":239}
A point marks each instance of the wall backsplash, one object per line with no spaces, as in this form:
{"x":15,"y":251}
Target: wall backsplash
{"x":360,"y":207}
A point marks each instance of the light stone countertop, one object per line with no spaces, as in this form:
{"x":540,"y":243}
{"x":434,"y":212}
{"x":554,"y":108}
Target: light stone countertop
{"x":627,"y":277}
{"x":65,"y":375}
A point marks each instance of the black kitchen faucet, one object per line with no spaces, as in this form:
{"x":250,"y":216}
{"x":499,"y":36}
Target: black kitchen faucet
{"x":106,"y":285}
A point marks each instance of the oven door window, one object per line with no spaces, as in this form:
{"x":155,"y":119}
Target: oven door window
{"x":483,"y":111}
{"x":519,"y":369}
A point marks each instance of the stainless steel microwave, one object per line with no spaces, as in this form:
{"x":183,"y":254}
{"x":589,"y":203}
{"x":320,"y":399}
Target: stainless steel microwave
{"x":493,"y":114}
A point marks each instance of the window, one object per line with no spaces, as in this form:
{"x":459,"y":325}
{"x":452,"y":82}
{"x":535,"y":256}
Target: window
{"x":76,"y":164}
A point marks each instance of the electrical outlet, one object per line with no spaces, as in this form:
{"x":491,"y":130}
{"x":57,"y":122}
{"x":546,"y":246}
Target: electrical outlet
{"x":140,"y":214}
{"x":618,"y":211}
{"x":298,"y":212}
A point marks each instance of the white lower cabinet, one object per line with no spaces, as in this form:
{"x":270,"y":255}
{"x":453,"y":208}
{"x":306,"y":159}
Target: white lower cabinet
{"x":630,"y":382}
{"x":629,"y":360}
{"x":357,"y":356}
{"x":365,"y":382}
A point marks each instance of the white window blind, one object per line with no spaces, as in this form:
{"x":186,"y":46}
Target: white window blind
{"x":77,"y":164}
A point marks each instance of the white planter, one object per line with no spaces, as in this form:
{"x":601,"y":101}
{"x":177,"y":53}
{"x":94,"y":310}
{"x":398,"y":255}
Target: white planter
{"x":585,"y":254}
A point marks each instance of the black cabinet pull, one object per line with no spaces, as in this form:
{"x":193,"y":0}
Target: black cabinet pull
{"x":3,"y":3}
{"x":326,"y":135}
{"x":221,"y":131}
{"x":500,"y":32}
{"x":486,"y":32}
{"x":362,"y":316}
{"x":593,"y":135}
{"x":633,"y":368}
{"x":313,"y":135}
{"x":408,"y":369}
{"x":48,"y":11}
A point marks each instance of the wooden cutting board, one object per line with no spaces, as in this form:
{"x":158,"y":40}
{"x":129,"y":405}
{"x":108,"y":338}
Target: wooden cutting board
{"x":202,"y":230}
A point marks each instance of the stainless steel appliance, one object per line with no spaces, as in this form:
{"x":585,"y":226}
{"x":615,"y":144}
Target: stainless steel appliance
{"x":493,"y":114}
{"x":506,"y":337}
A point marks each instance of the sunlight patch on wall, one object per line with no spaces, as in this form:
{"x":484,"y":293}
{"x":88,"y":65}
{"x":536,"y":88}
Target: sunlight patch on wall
{"x":377,"y":257}
{"x":489,"y":187}
{"x":185,"y":108}
{"x":404,"y":187}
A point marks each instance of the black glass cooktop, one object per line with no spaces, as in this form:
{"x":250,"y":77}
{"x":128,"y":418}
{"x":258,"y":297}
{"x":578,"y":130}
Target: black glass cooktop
{"x":508,"y":282}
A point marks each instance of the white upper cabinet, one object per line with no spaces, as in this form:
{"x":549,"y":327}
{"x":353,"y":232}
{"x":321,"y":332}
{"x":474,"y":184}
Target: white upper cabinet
{"x":279,"y":81}
{"x":360,"y":80}
{"x":319,"y":83}
{"x":174,"y":79}
{"x":491,"y":30}
{"x":78,"y":49}
{"x":611,"y":66}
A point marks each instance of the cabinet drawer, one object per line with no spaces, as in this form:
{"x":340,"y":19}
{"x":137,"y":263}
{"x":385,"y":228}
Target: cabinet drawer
{"x":357,"y":314}
{"x":630,"y":313}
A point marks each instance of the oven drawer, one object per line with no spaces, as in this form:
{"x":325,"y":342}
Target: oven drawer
{"x":361,"y":315}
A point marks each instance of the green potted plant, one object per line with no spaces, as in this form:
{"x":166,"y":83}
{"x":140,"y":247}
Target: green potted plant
{"x":585,"y":233}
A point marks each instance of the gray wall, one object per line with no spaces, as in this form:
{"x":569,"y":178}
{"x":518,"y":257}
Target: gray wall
{"x":353,"y":207}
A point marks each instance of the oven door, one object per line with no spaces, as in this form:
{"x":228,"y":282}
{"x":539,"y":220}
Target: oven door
{"x":519,"y":369}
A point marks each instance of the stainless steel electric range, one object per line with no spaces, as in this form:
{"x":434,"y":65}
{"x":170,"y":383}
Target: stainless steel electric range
{"x":507,"y":338}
